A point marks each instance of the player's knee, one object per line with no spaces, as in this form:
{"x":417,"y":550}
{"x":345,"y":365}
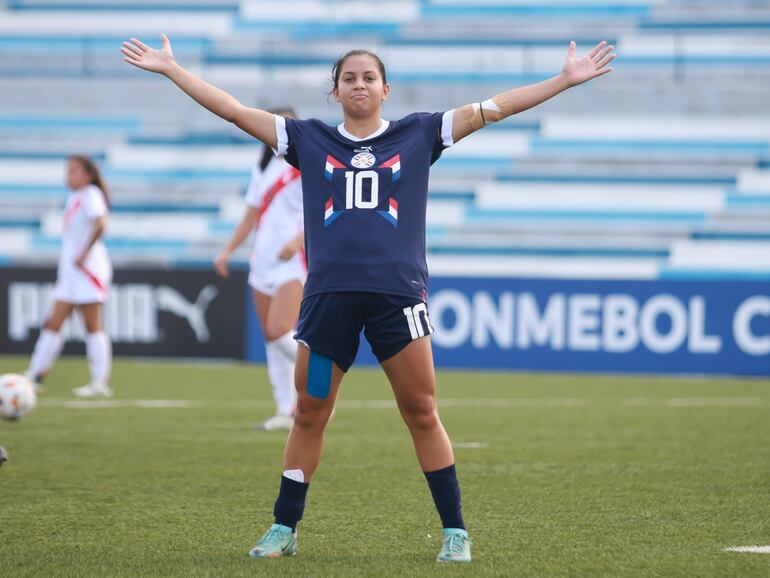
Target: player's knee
{"x":420,"y":414}
{"x":312,"y":414}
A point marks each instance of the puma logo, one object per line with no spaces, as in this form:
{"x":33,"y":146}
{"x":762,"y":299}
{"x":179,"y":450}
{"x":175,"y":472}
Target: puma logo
{"x":195,"y":313}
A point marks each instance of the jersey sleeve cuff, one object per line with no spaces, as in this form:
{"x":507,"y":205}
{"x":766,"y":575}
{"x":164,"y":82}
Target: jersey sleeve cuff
{"x":281,"y":136}
{"x":446,"y":128}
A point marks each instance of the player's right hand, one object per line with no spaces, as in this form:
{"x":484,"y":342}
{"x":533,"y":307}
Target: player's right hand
{"x":142,"y":56}
{"x":221,"y":262}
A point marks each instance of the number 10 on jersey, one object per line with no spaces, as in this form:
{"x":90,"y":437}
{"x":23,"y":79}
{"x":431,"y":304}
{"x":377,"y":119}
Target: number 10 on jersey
{"x":354,"y":189}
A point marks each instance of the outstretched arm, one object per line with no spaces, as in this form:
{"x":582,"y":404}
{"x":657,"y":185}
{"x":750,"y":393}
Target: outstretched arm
{"x":472,"y":117}
{"x":258,"y":123}
{"x":247,"y":225}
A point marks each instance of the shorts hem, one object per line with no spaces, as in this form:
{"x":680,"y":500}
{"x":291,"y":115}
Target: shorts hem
{"x":269,"y":288}
{"x":325,"y":352}
{"x":395,"y":350}
{"x":63,"y":297}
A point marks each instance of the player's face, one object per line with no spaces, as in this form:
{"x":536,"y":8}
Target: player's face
{"x":77,"y":176}
{"x":360,"y":89}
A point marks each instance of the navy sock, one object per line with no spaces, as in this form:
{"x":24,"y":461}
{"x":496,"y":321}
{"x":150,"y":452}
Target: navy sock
{"x":446,"y":495}
{"x":290,"y":503}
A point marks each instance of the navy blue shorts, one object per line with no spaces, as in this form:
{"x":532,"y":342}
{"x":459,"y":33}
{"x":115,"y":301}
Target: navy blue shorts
{"x":331,"y":323}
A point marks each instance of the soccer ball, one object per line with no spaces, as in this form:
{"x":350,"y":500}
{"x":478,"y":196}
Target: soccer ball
{"x":17,"y":396}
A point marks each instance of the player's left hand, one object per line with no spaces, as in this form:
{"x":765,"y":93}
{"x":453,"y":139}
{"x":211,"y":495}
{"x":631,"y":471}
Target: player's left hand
{"x":595,"y":63}
{"x":221,"y":264}
{"x":80,"y":262}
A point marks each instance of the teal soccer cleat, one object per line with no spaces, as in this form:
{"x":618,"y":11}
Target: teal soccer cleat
{"x":456,"y":546}
{"x":278,"y":541}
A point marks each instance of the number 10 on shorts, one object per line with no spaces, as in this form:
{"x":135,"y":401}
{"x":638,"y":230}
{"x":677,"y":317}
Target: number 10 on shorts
{"x":417,"y":319}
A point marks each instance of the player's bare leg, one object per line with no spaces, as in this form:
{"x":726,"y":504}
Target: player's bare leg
{"x":412,"y":378}
{"x":98,"y":351}
{"x":59,"y":314}
{"x":280,"y":371}
{"x":277,"y":317}
{"x":262,"y":307}
{"x":92,"y":316}
{"x":48,"y":344}
{"x":305,"y":443}
{"x":301,"y":457}
{"x":284,"y":310}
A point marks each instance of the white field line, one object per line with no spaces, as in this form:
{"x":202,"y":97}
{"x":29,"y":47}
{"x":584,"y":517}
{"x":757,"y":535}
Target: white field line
{"x":113,"y":403}
{"x":749,"y":549}
{"x":546,"y":402}
{"x":695,"y":402}
{"x":469,"y":445}
{"x":515,"y":402}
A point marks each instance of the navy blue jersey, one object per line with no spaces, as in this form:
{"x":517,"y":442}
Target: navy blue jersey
{"x":365,"y":200}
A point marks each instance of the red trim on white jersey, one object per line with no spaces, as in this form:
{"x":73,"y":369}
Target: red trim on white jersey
{"x":71,"y":211}
{"x":289,"y":175}
{"x":94,"y":279}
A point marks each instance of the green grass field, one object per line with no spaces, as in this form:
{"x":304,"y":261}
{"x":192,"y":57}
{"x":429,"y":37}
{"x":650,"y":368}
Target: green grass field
{"x":562,"y":476}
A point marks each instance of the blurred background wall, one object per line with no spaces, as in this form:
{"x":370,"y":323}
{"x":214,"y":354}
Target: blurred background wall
{"x":624,"y":226}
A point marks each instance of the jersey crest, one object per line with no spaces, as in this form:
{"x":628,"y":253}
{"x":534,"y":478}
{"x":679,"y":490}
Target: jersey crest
{"x":363,"y":160}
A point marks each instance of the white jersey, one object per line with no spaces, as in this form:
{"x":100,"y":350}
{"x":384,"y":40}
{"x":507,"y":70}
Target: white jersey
{"x":87,"y":284}
{"x":276,"y":192}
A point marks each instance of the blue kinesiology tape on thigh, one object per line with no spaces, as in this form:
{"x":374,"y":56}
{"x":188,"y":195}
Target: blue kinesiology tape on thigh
{"x":319,"y":375}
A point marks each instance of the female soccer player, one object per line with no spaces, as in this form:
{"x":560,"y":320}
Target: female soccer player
{"x":365,"y":186}
{"x":83,"y":279}
{"x":277,"y":270}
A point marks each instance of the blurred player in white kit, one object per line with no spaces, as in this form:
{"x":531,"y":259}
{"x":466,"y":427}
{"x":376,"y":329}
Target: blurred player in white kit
{"x":83,"y":279}
{"x":277,"y":271}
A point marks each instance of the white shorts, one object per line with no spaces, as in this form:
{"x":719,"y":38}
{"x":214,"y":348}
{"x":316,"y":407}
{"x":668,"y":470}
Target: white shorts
{"x":267,"y":280}
{"x":81,"y":286}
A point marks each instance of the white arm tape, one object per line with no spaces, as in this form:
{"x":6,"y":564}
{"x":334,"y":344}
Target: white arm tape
{"x":490,"y":104}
